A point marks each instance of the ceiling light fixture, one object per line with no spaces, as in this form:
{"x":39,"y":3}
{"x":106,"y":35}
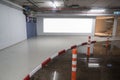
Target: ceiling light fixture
{"x":53,"y":3}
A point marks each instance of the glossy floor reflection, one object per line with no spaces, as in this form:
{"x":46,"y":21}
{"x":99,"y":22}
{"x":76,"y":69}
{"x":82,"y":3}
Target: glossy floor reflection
{"x":103,"y":64}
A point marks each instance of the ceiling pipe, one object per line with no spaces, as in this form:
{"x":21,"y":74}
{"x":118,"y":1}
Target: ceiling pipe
{"x":33,"y":3}
{"x":63,"y":9}
{"x":69,"y":15}
{"x":11,"y":4}
{"x":82,"y":10}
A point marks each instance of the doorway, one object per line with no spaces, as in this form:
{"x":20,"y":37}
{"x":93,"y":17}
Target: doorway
{"x":31,"y":27}
{"x":104,"y":26}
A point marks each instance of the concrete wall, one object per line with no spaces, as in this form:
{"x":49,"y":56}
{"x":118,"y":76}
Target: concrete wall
{"x":12,"y":26}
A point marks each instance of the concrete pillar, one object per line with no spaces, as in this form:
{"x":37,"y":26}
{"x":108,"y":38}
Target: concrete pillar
{"x":115,"y":26}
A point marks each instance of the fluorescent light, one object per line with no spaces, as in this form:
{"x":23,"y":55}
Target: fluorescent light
{"x":57,"y":3}
{"x":54,"y":5}
{"x":97,"y":10}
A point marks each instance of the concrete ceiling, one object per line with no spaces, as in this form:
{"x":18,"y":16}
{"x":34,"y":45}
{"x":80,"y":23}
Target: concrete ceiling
{"x":69,"y":5}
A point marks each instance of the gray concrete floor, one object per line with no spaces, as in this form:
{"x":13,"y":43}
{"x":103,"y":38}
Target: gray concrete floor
{"x":20,"y":59}
{"x":102,"y":64}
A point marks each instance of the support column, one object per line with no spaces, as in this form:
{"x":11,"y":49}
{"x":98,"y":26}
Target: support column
{"x":115,"y":26}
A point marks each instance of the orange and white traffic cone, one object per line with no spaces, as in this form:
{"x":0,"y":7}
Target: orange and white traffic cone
{"x":74,"y":63}
{"x":107,"y":42}
{"x":88,"y":48}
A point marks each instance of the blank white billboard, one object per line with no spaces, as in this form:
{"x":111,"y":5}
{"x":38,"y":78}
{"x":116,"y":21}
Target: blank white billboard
{"x":67,"y":25}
